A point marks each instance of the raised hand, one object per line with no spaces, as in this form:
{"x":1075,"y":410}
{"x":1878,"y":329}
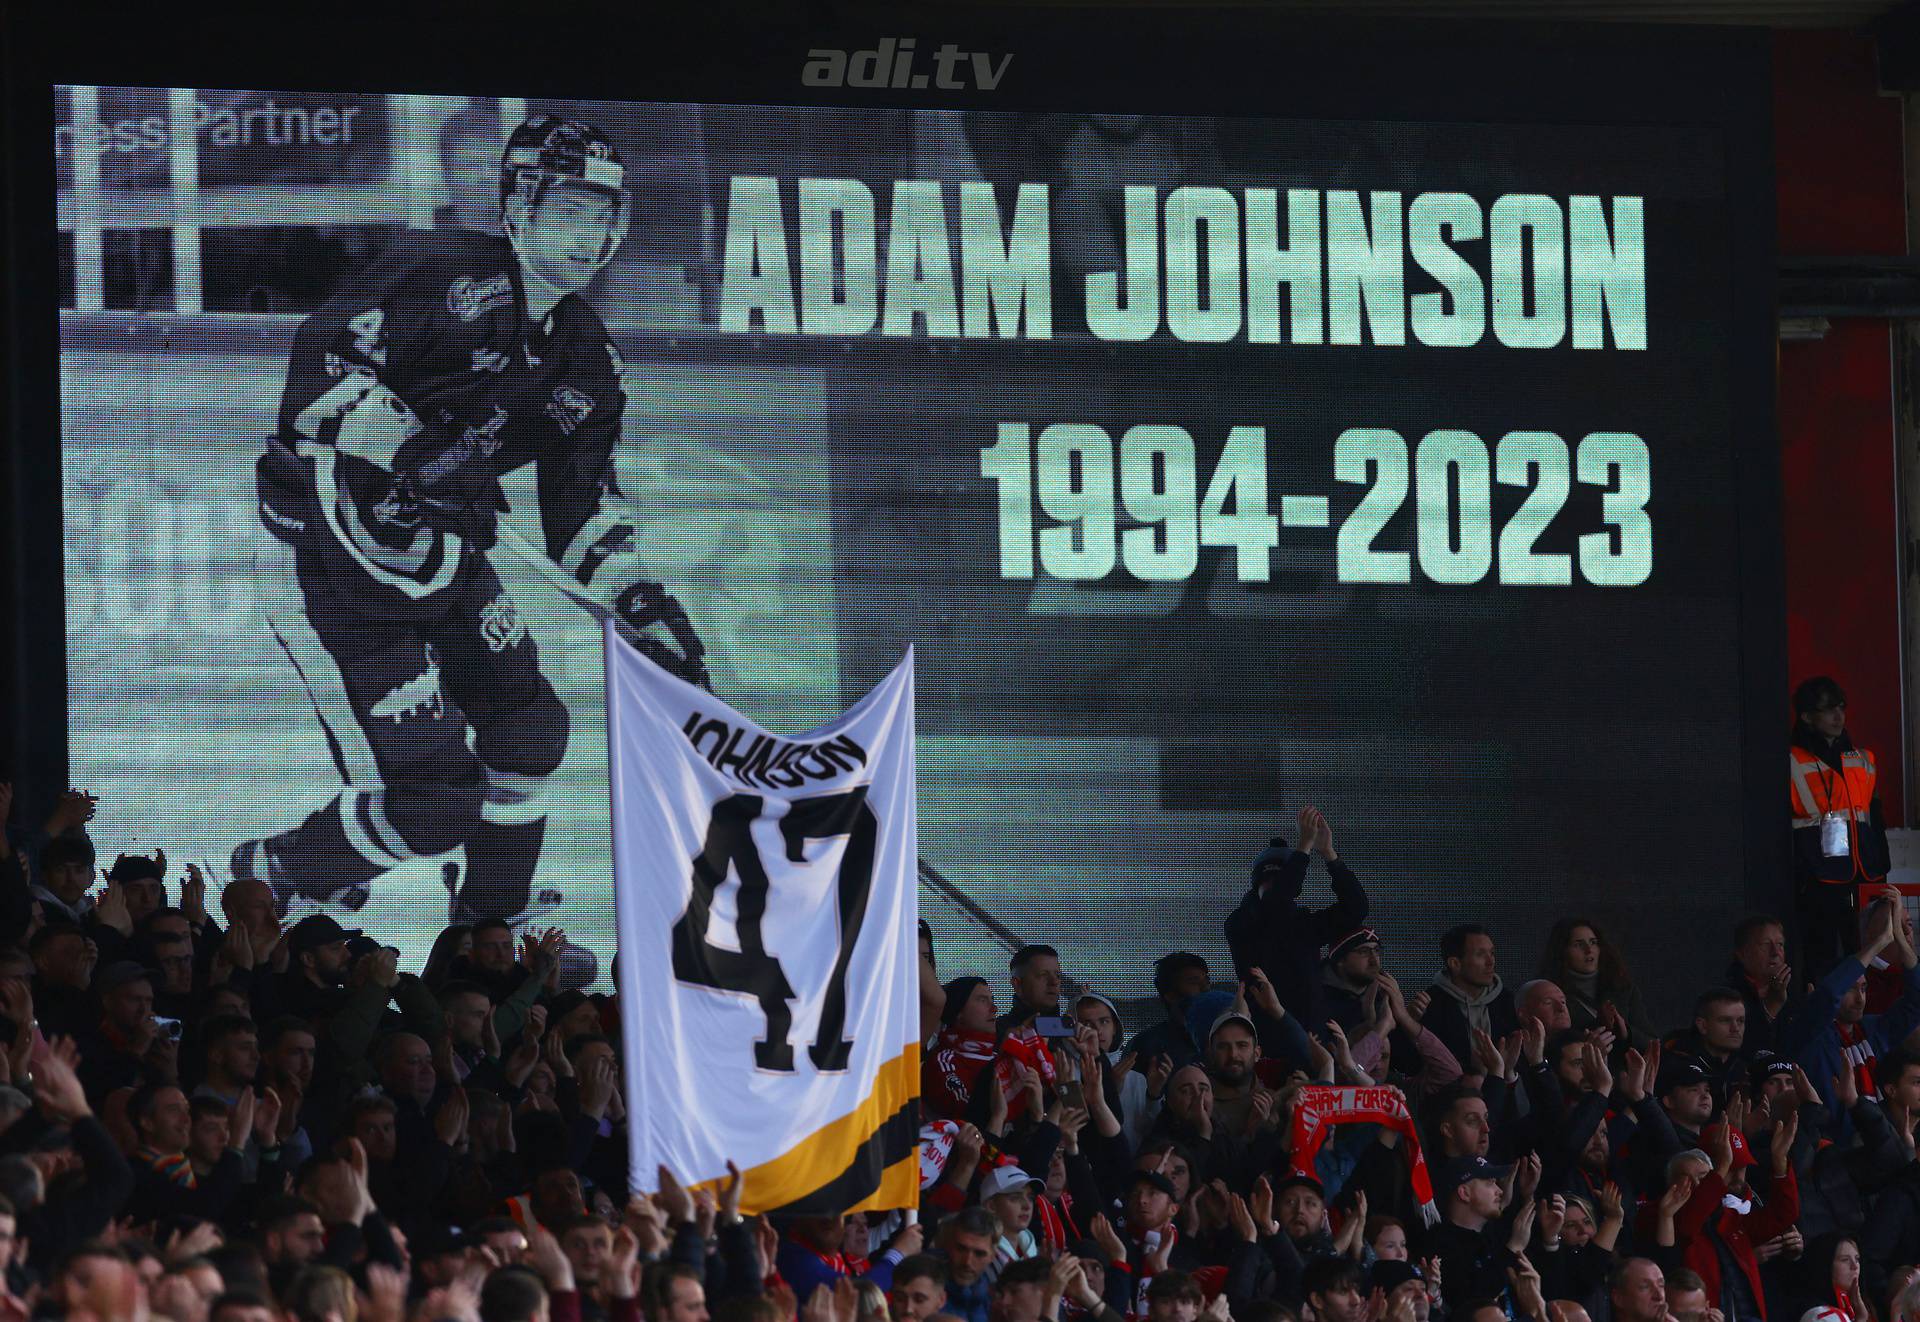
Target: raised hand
{"x":556,"y":1053}
{"x":1778,"y":988}
{"x":1846,"y":1089}
{"x":1417,"y":1007}
{"x":1527,"y":1299}
{"x":1522,"y":1230}
{"x":648,"y":1225}
{"x":596,"y":1085}
{"x":450,"y":1121}
{"x":623,"y":1265}
{"x":1534,"y":1031}
{"x":1676,"y":1197}
{"x":266,"y":1119}
{"x":1551,"y":1215}
{"x":1261,"y":1205}
{"x":1526,"y":1176}
{"x":1107,"y":1238}
{"x":56,"y":1082}
{"x":1158,"y":1072}
{"x":730,"y":1195}
{"x":1487,"y":1056}
{"x":1260,"y":993}
{"x":1240,"y":1217}
{"x":110,"y":907}
{"x":1783,"y":1136}
{"x":1633,"y":1077}
{"x":673,"y":1199}
{"x":193,"y":896}
{"x":1610,"y":1202}
{"x":1594,"y":1065}
{"x":1342,"y":1049}
{"x":545,"y":1257}
{"x":1309,"y":823}
{"x":73,"y":808}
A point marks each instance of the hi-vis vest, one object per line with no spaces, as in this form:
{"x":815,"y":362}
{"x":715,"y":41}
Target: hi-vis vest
{"x":1817,"y":789}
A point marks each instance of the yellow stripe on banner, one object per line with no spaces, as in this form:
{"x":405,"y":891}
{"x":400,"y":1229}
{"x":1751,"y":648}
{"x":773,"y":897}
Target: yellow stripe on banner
{"x":824,"y":1154}
{"x":899,"y":1186}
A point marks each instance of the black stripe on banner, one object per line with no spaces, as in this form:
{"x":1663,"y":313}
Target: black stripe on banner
{"x":894,"y":1141}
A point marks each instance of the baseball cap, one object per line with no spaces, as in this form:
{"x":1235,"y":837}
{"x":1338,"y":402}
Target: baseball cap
{"x":1302,"y":1179}
{"x":1679,"y":1072}
{"x":1456,"y":1171}
{"x":119,"y":974}
{"x":1389,"y":1274}
{"x":317,"y":930}
{"x":1230,"y":1017}
{"x":1352,"y":941}
{"x":435,"y":1239}
{"x":1742,"y":1150}
{"x":1008,"y":1179}
{"x":1156,"y":1178}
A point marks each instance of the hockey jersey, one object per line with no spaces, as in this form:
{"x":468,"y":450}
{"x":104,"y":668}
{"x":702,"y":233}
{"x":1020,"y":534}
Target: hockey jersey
{"x":440,"y":321}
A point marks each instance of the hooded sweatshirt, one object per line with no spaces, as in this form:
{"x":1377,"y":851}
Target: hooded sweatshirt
{"x":1456,"y":1012}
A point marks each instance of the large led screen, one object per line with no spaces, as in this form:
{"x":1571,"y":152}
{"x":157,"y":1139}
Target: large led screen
{"x":1213,"y":466}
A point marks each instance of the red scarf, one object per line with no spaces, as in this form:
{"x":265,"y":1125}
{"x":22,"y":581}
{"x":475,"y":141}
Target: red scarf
{"x":952,"y":1069}
{"x":1858,"y":1050}
{"x":1322,"y":1107}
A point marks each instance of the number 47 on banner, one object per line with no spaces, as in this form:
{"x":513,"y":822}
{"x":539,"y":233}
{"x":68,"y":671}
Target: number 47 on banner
{"x":750,"y":970}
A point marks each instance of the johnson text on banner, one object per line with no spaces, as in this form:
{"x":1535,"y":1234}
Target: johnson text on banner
{"x":767,"y":908}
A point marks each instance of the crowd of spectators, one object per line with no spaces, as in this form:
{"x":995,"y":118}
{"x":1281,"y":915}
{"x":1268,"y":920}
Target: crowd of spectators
{"x":217,"y":1115}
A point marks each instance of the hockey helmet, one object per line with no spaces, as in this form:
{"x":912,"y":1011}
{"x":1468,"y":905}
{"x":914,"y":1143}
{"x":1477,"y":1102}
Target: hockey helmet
{"x":547,"y":152}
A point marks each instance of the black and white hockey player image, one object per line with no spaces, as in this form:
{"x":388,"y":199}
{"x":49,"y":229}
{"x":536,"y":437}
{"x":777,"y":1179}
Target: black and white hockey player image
{"x":454,"y":358}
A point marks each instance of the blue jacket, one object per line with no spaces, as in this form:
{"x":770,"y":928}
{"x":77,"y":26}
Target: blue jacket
{"x":969,"y":1301}
{"x":1811,"y":1038}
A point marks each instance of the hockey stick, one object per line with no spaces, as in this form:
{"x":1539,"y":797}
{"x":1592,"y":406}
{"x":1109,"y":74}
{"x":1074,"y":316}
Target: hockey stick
{"x":575,"y":591}
{"x":552,"y":572}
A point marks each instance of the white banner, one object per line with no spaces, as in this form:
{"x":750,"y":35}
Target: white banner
{"x":767,"y":903}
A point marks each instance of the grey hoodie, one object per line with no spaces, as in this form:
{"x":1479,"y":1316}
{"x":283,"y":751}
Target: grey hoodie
{"x":1475,"y":1007}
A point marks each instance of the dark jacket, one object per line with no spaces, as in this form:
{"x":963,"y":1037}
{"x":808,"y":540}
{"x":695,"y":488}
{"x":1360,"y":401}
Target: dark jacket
{"x":1473,"y":1263}
{"x":74,"y":1215}
{"x":1891,"y":1237}
{"x":1277,"y":934}
{"x":1763,"y":1029}
{"x":1448,"y":1019}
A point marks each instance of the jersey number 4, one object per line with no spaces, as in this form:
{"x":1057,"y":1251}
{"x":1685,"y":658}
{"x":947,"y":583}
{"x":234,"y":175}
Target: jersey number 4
{"x":750,"y":970}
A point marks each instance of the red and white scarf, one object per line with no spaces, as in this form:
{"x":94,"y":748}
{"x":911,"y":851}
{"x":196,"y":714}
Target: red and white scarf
{"x":1858,"y":1049}
{"x":1321,"y":1107}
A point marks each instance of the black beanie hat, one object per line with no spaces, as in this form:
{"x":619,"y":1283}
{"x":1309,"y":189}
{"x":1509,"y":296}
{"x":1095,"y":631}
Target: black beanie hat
{"x":957,"y":993}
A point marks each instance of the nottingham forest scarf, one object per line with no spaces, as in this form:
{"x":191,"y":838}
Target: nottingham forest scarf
{"x":1322,"y":1107}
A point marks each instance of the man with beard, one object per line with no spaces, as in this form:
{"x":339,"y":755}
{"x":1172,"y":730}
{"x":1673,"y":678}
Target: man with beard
{"x":1350,"y":979}
{"x":966,"y":1238}
{"x":1467,"y":994}
{"x":1241,"y":1104}
{"x":1178,"y":979}
{"x":1833,"y":1032}
{"x":1235,"y":1152}
{"x":1272,"y":930}
{"x":287,"y":1053}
